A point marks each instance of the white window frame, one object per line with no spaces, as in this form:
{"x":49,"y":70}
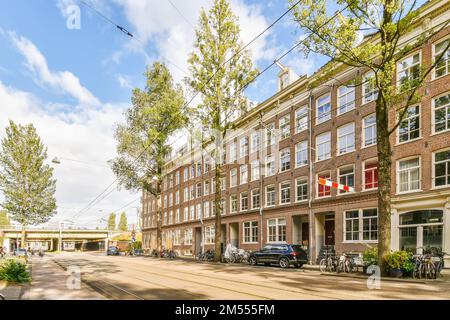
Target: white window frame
{"x":272,"y":166}
{"x":297,"y":184}
{"x":233,"y":173}
{"x":282,"y":188}
{"x":243,"y":174}
{"x":259,"y":197}
{"x":270,"y":132}
{"x":304,"y":149}
{"x":233,"y":198}
{"x":446,"y":185}
{"x":398,"y":69}
{"x":300,"y":114}
{"x":433,"y":114}
{"x":409,"y":174}
{"x":409,"y":120}
{"x":285,"y":126}
{"x":233,"y":152}
{"x":367,"y":84}
{"x":349,"y":147}
{"x":285,"y":160}
{"x":363,"y":182}
{"x":325,"y":116}
{"x":266,"y":198}
{"x":349,"y":105}
{"x":327,"y":155}
{"x":328,"y":173}
{"x":277,"y":224}
{"x":249,"y":226}
{"x":241,"y":199}
{"x":360,"y":221}
{"x":256,"y":141}
{"x":434,"y":54}
{"x":243,"y":147}
{"x":256,"y":170}
{"x":373,"y":130}
{"x":340,"y":175}
{"x":206,"y":209}
{"x":209,"y":234}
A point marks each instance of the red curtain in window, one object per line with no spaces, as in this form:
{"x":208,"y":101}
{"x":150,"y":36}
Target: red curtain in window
{"x":371,"y":176}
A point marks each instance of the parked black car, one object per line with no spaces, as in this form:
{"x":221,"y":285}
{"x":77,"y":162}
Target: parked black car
{"x":284,"y":255}
{"x":113,"y":251}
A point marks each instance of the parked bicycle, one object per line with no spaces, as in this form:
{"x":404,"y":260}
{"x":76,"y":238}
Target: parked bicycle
{"x":429,"y":264}
{"x":208,"y":255}
{"x":329,"y":263}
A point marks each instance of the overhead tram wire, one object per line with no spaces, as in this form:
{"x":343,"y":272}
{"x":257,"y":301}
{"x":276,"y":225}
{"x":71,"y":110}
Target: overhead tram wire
{"x":127,"y":33}
{"x":116,"y":210}
{"x":248,"y":83}
{"x":181,"y":14}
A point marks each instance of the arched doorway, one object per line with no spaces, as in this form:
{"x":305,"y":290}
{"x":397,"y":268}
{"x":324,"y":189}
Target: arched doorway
{"x":421,"y":229}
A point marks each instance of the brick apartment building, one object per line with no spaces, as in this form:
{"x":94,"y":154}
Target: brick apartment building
{"x":283,"y":145}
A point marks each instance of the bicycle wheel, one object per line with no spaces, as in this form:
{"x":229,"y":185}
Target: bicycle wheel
{"x":323,"y":265}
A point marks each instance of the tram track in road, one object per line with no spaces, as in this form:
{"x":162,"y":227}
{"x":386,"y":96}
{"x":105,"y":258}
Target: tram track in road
{"x":202,"y":277}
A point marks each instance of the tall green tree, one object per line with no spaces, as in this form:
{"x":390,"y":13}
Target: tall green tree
{"x":219,"y":71}
{"x":123,"y":223}
{"x":112,"y":221}
{"x":366,"y":35}
{"x":4,"y":220}
{"x":25,"y":180}
{"x":143,"y":141}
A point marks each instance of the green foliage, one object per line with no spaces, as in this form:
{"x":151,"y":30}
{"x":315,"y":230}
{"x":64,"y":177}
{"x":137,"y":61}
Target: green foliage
{"x":112,"y":221}
{"x":399,"y":260}
{"x":123,"y":224}
{"x":370,"y":256}
{"x":26,"y":182}
{"x":13,"y":270}
{"x":155,"y":116}
{"x":4,"y":220}
{"x":136,"y":245}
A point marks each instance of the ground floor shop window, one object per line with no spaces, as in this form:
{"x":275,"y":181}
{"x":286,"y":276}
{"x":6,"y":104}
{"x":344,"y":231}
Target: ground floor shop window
{"x":209,"y":234}
{"x":251,"y":232}
{"x":361,"y":225}
{"x":421,"y":229}
{"x":276,"y":230}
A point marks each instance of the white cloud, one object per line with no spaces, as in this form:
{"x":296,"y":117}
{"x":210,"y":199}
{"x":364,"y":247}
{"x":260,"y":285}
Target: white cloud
{"x":64,"y":81}
{"x":159,"y":23}
{"x":80,"y":134}
{"x":124,"y":81}
{"x":301,"y":65}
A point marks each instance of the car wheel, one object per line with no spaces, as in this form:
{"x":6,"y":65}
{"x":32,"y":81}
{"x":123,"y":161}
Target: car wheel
{"x":299,"y":265}
{"x":283,"y":262}
{"x":253,"y":261}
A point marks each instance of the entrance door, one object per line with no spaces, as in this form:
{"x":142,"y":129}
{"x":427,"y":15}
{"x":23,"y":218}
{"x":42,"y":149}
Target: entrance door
{"x":329,"y":232}
{"x":305,"y":233}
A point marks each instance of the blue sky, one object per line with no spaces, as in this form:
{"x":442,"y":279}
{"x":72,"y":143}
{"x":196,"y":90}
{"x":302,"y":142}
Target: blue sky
{"x":74,"y":85}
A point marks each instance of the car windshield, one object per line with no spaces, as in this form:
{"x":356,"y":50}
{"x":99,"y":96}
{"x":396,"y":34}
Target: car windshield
{"x":112,"y":248}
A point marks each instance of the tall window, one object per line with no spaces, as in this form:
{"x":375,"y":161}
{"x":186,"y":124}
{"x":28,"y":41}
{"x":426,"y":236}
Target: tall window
{"x":206,"y":209}
{"x":270,"y":195}
{"x":177,"y":178}
{"x":233,"y":177}
{"x":361,"y":225}
{"x":199,"y":189}
{"x":206,"y":188}
{"x":255,"y":199}
{"x":176,"y":237}
{"x":442,"y":168}
{"x":244,"y":201}
{"x":347,"y":177}
{"x":301,"y":189}
{"x":233,"y":203}
{"x":198,"y":211}
{"x":346,"y":138}
{"x":346,"y":99}
{"x":285,"y":159}
{"x":177,"y":216}
{"x":301,"y":119}
{"x":408,"y":72}
{"x":408,"y":175}
{"x":209,"y":234}
{"x":207,"y":164}
{"x":301,"y":154}
{"x":409,"y":128}
{"x":243,"y":147}
{"x":323,"y":108}
{"x":255,"y":141}
{"x":244,"y":174}
{"x":285,"y":192}
{"x":192,"y":170}
{"x":255,"y":170}
{"x":251,"y":232}
{"x":188,"y":236}
{"x":323,"y":145}
{"x":443,"y":66}
{"x":270,"y":165}
{"x":185,"y":214}
{"x":186,"y":194}
{"x":233,"y":152}
{"x":270,"y":134}
{"x":186,"y":174}
{"x":323,"y":191}
{"x":442,"y":113}
{"x":285,"y":126}
{"x":370,"y":175}
{"x":170,"y":217}
{"x":370,"y":90}
{"x":199,"y":169}
{"x":276,"y":230}
{"x":192,"y":213}
{"x":177,"y":197}
{"x":369,"y":130}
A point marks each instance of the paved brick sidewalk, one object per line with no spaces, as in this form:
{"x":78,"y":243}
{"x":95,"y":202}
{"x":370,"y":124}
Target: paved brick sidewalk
{"x":49,"y":282}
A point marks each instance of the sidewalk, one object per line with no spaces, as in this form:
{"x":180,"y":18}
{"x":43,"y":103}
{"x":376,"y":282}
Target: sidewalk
{"x":49,"y":282}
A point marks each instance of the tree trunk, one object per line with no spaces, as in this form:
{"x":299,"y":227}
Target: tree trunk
{"x":218,"y":210}
{"x":22,"y":244}
{"x":158,"y":223}
{"x":384,"y":183}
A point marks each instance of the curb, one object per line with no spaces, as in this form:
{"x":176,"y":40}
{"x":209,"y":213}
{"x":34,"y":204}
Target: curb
{"x":354,"y":276}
